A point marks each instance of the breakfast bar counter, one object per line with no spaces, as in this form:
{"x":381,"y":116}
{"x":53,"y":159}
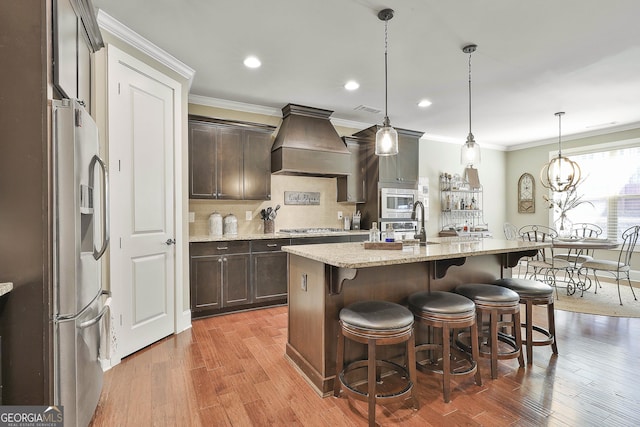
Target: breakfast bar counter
{"x":324,"y":278}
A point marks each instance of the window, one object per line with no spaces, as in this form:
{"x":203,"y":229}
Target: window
{"x":611,"y":186}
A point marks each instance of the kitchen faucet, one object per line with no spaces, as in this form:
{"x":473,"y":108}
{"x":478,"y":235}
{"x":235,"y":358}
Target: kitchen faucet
{"x":422,"y":236}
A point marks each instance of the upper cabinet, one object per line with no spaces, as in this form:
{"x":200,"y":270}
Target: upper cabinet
{"x":76,"y":37}
{"x":399,"y":169}
{"x":229,"y":160}
{"x":353,"y":187}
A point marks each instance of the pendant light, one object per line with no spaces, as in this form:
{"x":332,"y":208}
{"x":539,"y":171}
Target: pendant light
{"x":561,"y":173}
{"x":386,"y":137}
{"x":470,"y":153}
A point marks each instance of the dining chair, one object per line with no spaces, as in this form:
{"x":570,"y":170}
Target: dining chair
{"x":544,"y":266}
{"x":511,"y":233}
{"x":617,"y":269}
{"x":581,"y":230}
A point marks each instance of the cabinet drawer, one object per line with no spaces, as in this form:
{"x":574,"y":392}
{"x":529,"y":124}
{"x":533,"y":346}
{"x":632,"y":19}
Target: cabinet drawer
{"x":270,"y":245}
{"x":219,"y":248}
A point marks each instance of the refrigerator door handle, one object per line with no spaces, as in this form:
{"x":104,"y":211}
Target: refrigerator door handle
{"x":91,"y":322}
{"x":105,"y":200}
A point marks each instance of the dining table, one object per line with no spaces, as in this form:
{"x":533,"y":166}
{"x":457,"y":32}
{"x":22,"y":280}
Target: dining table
{"x":578,"y":247}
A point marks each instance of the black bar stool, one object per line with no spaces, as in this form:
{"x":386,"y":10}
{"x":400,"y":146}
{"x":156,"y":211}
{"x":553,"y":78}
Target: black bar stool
{"x":496,"y":302}
{"x":376,"y":323}
{"x":533,"y":292}
{"x":448,"y":312}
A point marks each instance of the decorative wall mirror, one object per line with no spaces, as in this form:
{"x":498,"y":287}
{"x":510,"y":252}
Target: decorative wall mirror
{"x":526,"y":194}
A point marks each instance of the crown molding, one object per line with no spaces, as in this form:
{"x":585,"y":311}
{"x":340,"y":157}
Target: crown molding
{"x":574,"y":136}
{"x":124,"y":33}
{"x":259,"y":109}
{"x":234,"y":105}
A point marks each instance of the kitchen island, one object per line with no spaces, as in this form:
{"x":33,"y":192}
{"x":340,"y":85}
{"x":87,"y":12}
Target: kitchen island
{"x":327,"y":277}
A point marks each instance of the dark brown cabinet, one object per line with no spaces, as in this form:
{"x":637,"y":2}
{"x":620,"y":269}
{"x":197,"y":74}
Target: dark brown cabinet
{"x":220,"y":276}
{"x":399,"y":169}
{"x":353,"y":187}
{"x":239,"y":275}
{"x":76,"y":37}
{"x":229,"y":160}
{"x":269,"y":270}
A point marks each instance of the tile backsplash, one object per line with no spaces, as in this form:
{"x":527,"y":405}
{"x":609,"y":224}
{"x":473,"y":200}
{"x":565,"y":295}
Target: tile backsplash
{"x":289,"y":216}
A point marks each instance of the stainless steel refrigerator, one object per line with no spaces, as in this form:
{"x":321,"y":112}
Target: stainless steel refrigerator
{"x":81,"y":236}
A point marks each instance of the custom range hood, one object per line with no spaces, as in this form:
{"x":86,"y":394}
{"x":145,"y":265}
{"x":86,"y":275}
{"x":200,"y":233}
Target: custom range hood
{"x":308,"y":145}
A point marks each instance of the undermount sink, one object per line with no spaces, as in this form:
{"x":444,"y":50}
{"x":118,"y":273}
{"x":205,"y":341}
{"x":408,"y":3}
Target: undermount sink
{"x":416,"y":241}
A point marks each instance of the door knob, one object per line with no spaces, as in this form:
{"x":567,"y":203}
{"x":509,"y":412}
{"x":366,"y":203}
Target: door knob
{"x":170,"y":242}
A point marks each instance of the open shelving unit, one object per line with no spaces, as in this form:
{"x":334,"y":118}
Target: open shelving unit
{"x":461,"y":209}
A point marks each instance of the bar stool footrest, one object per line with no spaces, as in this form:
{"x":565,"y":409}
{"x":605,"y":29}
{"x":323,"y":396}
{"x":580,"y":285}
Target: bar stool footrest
{"x":350,"y":389}
{"x":457,"y":355}
{"x":540,"y":342}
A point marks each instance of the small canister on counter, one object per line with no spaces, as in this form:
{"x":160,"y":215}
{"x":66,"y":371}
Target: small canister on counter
{"x":215,"y":224}
{"x":230,"y":225}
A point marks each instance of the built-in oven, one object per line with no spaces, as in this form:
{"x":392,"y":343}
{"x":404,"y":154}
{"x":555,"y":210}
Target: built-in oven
{"x":397,"y":202}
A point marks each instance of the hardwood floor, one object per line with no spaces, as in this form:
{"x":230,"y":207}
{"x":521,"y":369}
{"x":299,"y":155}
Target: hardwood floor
{"x":231,"y":371}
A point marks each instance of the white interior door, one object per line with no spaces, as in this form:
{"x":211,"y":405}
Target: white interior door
{"x":141,"y":163}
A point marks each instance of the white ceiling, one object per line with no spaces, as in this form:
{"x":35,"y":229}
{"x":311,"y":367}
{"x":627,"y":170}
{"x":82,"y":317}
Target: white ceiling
{"x":534,"y":58}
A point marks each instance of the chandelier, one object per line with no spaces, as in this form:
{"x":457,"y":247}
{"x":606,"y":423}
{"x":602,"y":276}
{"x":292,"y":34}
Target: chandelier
{"x":561,"y":173}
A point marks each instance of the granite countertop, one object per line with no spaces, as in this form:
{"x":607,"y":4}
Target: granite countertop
{"x":5,"y":288}
{"x":278,"y":235}
{"x":354,"y":255}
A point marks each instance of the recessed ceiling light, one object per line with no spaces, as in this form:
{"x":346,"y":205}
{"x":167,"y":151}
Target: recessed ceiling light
{"x":351,"y":85}
{"x":424,"y":103}
{"x":252,"y":62}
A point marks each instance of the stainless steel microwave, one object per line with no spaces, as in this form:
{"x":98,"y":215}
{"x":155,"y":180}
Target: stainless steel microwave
{"x":397,"y":202}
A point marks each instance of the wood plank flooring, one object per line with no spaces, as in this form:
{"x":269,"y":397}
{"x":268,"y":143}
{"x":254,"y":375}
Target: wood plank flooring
{"x":231,"y":371}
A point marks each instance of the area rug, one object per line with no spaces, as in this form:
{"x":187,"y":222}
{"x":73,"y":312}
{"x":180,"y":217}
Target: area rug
{"x":605,"y":302}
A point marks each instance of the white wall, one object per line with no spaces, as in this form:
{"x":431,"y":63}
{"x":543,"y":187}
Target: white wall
{"x":439,"y":157}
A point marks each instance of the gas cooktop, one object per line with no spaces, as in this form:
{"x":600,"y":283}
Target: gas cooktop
{"x":318,"y":230}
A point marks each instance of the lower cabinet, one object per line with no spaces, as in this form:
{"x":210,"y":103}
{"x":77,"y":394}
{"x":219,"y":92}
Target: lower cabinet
{"x":228,"y":276}
{"x":220,"y":276}
{"x":238,"y":275}
{"x":269,"y":270}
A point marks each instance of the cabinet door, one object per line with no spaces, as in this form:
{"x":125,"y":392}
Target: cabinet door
{"x":403,"y":167}
{"x":352,"y":188}
{"x":236,"y":284}
{"x":387,"y":167}
{"x":84,"y":68}
{"x":270,"y":275}
{"x":202,"y":161}
{"x":257,"y":165}
{"x":206,"y":282}
{"x":407,"y":160}
{"x":65,"y":48}
{"x":228,"y":166}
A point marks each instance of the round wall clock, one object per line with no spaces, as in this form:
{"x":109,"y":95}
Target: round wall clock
{"x":526,"y":194}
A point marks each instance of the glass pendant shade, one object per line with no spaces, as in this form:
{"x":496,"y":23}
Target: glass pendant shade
{"x":470,"y":153}
{"x":386,"y":137}
{"x":386,"y":140}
